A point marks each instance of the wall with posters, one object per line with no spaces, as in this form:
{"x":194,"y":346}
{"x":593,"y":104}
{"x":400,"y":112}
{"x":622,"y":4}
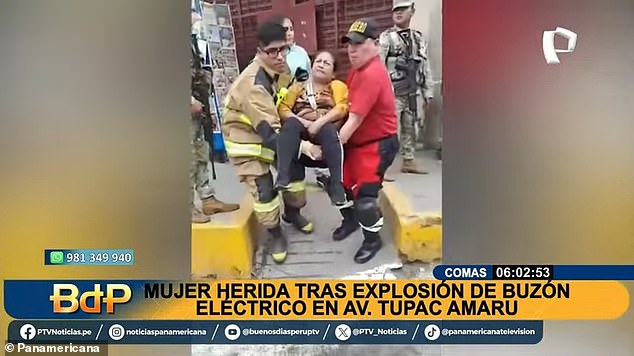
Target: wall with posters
{"x":222,"y":46}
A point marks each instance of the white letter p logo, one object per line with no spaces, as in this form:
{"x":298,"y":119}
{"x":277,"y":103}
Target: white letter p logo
{"x":548,"y":43}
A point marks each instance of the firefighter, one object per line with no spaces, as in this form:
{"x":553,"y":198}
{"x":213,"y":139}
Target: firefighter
{"x":250,"y":128}
{"x":369,"y":135}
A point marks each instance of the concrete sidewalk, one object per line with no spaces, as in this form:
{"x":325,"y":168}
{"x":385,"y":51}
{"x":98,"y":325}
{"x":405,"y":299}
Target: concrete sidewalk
{"x":317,"y":256}
{"x":424,"y":191}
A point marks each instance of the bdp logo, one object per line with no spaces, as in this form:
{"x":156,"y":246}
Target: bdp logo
{"x":232,"y":332}
{"x":28,"y":332}
{"x":116,"y":332}
{"x":548,"y":44}
{"x":67,"y":298}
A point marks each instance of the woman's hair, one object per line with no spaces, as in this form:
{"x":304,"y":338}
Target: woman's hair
{"x":334,"y":59}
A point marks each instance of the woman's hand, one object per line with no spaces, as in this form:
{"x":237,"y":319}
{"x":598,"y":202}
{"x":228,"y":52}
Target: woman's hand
{"x":311,"y":150}
{"x":304,"y":122}
{"x":315,"y":126}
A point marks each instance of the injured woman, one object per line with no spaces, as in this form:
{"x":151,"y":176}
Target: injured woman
{"x":314,"y":111}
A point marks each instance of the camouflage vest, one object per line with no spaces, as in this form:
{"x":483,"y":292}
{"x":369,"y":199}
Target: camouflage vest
{"x":200,"y":83}
{"x":399,"y":52}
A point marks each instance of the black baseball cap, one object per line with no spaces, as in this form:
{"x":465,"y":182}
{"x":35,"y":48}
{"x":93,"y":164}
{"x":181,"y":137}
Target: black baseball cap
{"x":361,"y":30}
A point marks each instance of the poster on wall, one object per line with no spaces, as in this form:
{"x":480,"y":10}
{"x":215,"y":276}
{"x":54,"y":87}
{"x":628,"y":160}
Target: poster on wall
{"x":222,"y":44}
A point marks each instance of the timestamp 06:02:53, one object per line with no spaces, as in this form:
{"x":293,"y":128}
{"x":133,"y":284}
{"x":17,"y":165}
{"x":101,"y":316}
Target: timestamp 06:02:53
{"x":541,"y":272}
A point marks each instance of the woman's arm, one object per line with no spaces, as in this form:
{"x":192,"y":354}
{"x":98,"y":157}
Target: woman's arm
{"x":285,"y":109}
{"x":340,"y":97}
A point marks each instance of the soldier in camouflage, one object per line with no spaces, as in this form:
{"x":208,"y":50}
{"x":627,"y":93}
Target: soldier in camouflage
{"x":404,"y":52}
{"x":199,"y":177}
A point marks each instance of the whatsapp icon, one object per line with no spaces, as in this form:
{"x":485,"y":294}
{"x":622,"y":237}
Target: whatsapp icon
{"x":57,"y":257}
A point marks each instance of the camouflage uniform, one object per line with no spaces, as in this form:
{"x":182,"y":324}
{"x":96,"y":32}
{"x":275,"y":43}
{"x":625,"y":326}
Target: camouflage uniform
{"x":199,"y":172}
{"x":392,"y":46}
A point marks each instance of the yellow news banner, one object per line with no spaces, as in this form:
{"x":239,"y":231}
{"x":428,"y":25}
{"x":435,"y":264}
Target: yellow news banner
{"x":358,"y":300}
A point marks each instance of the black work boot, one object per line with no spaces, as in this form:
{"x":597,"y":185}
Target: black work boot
{"x":371,"y":245}
{"x":294,"y":217}
{"x":278,"y":246}
{"x":349,"y":224}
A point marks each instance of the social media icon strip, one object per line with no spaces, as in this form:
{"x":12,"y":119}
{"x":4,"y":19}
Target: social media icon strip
{"x":116,"y":332}
{"x":28,"y":332}
{"x":232,"y":332}
{"x":432,"y":332}
{"x":343,"y":332}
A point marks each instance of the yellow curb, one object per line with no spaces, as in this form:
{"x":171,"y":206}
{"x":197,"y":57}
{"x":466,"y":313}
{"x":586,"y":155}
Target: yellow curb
{"x":417,"y":235}
{"x":224,"y":248}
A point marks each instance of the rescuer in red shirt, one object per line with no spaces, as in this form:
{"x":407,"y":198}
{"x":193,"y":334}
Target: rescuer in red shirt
{"x":370,"y":138}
